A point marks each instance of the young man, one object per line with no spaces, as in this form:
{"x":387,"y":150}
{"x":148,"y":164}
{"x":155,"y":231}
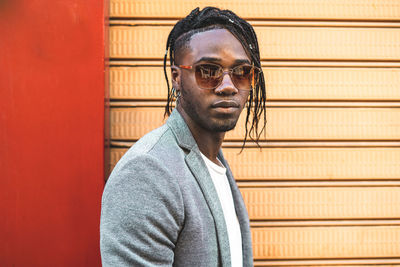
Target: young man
{"x":172,"y":200}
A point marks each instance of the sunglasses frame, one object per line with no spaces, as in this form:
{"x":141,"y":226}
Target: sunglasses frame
{"x":252,"y":83}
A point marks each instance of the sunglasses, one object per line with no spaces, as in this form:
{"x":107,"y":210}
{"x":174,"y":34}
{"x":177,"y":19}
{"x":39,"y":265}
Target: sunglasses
{"x":209,"y":76}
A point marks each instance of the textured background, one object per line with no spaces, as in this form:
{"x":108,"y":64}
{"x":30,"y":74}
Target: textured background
{"x":325,"y":188}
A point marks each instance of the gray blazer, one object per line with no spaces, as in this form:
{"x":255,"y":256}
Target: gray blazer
{"x":160,"y":207}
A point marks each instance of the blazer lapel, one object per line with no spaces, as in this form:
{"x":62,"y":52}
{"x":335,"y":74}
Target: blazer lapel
{"x":241,"y":213}
{"x":200,"y":172}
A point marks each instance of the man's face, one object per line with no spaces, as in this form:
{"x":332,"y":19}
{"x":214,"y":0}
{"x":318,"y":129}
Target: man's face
{"x":213,"y":110}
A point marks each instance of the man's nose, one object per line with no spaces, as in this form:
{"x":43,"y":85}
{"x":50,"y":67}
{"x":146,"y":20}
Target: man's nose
{"x":226,"y":87}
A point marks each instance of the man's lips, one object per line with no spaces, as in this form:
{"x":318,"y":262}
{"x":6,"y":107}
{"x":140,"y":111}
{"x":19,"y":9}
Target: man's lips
{"x":225,"y":104}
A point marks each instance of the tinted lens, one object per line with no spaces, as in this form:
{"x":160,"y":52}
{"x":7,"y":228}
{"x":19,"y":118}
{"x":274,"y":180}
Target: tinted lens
{"x":242,"y":77}
{"x":208,"y":76}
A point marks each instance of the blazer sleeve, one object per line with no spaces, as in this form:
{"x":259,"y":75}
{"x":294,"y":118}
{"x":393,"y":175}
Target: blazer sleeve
{"x":141,"y":215}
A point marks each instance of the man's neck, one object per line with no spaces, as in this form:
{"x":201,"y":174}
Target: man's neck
{"x":210,"y":145}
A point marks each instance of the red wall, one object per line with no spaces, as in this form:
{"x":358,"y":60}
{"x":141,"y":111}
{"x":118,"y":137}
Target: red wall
{"x":51,"y":131}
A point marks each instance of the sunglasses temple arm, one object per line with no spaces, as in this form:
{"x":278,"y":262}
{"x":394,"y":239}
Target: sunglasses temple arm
{"x":185,"y":67}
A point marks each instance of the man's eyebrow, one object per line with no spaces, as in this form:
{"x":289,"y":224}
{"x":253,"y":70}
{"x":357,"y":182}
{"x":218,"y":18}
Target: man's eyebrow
{"x":214,"y":59}
{"x":242,"y":61}
{"x":209,"y":59}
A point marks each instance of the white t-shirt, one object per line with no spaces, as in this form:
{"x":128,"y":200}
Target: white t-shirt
{"x":221,"y":184}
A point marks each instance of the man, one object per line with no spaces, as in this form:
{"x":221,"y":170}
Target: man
{"x":172,"y":200}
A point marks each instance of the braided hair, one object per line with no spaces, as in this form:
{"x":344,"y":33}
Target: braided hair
{"x":211,"y":18}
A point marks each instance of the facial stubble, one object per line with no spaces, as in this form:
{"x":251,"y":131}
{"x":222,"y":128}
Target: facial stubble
{"x":213,"y":125}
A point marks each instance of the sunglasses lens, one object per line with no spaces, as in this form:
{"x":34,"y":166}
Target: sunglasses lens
{"x":242,"y":77}
{"x":208,"y":76}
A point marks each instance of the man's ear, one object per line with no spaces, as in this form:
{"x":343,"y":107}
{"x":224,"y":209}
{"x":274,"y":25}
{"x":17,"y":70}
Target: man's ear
{"x":176,"y":77}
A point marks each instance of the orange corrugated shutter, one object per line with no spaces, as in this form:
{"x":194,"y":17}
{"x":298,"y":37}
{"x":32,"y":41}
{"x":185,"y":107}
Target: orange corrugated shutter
{"x":325,"y":187}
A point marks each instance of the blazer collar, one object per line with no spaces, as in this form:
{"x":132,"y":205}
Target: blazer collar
{"x":199,"y":170}
{"x":177,"y":124}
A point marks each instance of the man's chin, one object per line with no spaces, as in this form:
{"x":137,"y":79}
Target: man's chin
{"x":224,"y":127}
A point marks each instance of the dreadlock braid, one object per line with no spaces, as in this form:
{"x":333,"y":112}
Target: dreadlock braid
{"x":212,"y":18}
